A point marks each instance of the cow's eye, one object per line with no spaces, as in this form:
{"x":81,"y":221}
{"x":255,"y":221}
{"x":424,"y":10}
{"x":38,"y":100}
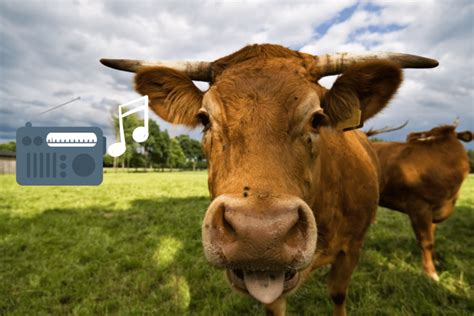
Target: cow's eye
{"x":203,"y":118}
{"x":319,"y":119}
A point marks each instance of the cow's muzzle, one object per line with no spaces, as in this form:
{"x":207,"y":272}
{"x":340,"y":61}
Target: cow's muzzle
{"x":262,"y":243}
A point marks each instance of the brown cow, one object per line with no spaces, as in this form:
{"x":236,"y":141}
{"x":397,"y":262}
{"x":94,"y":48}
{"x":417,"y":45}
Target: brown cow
{"x":283,"y":175}
{"x":422,"y":178}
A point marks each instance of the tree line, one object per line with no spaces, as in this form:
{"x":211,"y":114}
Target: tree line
{"x":159,"y":151}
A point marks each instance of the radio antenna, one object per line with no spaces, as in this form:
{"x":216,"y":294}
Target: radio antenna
{"x":57,"y":106}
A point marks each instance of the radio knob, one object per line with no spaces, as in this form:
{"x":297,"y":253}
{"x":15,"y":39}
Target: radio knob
{"x":26,"y":141}
{"x":83,"y":165}
{"x":38,"y":141}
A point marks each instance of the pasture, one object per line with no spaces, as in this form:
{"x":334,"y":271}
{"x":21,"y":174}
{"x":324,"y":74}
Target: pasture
{"x":132,"y":246}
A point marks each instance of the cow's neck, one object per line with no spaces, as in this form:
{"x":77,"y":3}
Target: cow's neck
{"x":346,"y":185}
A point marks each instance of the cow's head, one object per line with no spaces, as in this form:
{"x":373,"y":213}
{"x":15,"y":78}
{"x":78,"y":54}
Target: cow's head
{"x":440,"y":133}
{"x":264,"y":120}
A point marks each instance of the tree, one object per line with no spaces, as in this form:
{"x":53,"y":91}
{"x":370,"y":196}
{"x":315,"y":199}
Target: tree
{"x":138,"y":159}
{"x":165,"y":144}
{"x":192,"y":149}
{"x":177,"y":159}
{"x":375,"y":139}
{"x":10,"y":146}
{"x":157,"y":147}
{"x":108,"y":161}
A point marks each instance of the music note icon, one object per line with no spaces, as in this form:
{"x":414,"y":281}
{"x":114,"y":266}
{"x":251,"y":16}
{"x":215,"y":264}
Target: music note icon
{"x":140,"y":134}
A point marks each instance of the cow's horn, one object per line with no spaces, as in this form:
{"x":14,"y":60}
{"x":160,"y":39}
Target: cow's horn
{"x":333,"y":64}
{"x":196,"y":70}
{"x":386,"y":129}
{"x":456,"y":122}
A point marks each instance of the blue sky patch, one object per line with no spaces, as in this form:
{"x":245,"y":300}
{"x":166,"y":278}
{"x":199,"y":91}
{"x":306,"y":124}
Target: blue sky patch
{"x":342,"y":16}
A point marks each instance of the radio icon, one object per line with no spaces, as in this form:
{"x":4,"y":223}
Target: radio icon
{"x":59,"y":155}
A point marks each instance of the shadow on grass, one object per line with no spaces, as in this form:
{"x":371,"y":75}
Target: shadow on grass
{"x":392,"y":259}
{"x":145,"y":259}
{"x":394,"y":236}
{"x":148,"y":259}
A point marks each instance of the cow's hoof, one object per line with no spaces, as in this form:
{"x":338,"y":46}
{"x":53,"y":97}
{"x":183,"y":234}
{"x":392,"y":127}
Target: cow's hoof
{"x":434,"y":276}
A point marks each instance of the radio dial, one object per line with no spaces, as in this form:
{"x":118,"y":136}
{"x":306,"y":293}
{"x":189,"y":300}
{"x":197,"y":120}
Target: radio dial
{"x":83,"y":165}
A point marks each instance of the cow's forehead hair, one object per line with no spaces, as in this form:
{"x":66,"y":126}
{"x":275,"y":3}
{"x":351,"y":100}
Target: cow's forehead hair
{"x":305,"y":107}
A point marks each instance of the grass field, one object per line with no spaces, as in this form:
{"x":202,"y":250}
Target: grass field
{"x":132,"y":246}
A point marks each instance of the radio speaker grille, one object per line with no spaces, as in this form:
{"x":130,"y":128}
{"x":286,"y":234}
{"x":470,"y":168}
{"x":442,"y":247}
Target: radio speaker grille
{"x":41,"y":165}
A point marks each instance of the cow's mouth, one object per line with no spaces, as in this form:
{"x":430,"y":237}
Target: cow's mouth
{"x":265,"y":286}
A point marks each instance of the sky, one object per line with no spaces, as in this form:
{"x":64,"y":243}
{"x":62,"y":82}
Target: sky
{"x":50,"y":51}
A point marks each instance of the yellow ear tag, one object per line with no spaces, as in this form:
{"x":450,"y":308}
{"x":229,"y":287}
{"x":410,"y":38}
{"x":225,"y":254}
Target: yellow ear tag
{"x":351,"y":123}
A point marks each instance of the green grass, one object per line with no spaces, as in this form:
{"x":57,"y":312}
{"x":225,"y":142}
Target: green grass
{"x":132,"y":246}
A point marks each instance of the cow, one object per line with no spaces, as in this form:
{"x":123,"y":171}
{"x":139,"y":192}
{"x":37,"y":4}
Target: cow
{"x":292,"y":188}
{"x":422,"y":178}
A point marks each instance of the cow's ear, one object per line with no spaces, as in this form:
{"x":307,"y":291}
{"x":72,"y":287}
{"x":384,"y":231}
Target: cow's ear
{"x":172,"y":94}
{"x":465,"y":136}
{"x":366,"y":87}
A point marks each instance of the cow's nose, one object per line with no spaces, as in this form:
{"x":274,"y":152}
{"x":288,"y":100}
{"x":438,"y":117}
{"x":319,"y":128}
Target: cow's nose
{"x":250,"y":233}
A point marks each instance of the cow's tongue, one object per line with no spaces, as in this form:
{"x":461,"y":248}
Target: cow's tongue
{"x":265,"y":286}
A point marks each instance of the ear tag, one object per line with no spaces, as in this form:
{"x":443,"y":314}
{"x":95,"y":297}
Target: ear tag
{"x":351,"y":123}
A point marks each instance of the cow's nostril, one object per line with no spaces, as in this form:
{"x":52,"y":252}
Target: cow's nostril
{"x":303,"y":221}
{"x":222,"y":228}
{"x":227,"y":225}
{"x":289,"y":274}
{"x":297,"y":233}
{"x":239,"y":273}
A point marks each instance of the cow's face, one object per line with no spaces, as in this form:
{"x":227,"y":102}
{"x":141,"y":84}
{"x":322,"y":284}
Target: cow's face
{"x":261,"y":139}
{"x":264,"y":122}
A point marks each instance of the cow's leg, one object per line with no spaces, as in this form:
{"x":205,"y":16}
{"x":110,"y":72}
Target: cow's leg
{"x":421,"y":221}
{"x":277,"y":308}
{"x":433,"y":252}
{"x":443,"y":212}
{"x":340,"y":276}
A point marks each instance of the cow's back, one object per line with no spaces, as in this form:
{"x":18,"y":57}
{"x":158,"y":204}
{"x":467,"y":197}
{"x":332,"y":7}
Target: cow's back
{"x":421,"y":172}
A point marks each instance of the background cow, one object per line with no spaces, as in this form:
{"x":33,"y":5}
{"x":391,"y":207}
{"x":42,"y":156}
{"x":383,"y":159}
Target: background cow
{"x":422,"y":178}
{"x":291,"y":190}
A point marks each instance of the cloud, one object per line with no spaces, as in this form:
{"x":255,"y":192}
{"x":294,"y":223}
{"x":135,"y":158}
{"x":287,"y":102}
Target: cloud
{"x":50,"y":52}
